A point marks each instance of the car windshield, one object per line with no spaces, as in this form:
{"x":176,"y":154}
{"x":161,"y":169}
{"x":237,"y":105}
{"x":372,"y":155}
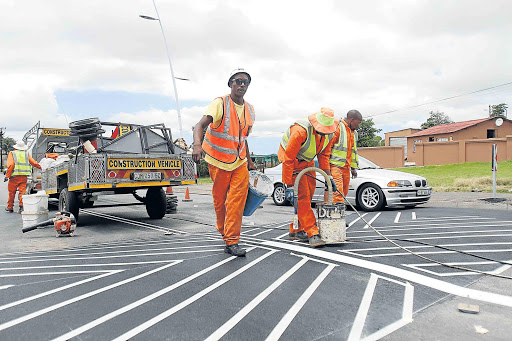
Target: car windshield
{"x":363,"y":164}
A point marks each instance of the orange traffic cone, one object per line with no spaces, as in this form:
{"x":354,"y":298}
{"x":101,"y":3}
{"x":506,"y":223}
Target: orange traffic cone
{"x":187,"y":196}
{"x":169,"y":190}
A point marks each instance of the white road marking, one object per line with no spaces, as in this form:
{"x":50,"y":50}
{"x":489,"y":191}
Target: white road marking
{"x":413,"y":214}
{"x":81,"y":297}
{"x":432,"y":227}
{"x":354,"y":221}
{"x":427,"y":246}
{"x":281,"y":236}
{"x":245,"y":232}
{"x":257,"y":234}
{"x":59,"y":289}
{"x":421,"y":267}
{"x":362,"y":312}
{"x":26,"y":274}
{"x":436,"y":233}
{"x":424,"y":253}
{"x":226,"y":327}
{"x":371,"y":221}
{"x":6,"y":286}
{"x":397,"y":217}
{"x":462,"y":217}
{"x":140,"y":302}
{"x":85,"y":265}
{"x":401,"y":273}
{"x":294,"y":310}
{"x":131,"y":333}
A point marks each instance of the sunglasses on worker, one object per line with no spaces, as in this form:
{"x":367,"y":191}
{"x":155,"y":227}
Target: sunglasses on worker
{"x":240,"y":81}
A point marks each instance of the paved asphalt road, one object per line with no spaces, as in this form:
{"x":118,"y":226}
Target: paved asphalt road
{"x":124,"y":276}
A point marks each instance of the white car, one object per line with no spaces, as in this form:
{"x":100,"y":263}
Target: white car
{"x":373,"y":189}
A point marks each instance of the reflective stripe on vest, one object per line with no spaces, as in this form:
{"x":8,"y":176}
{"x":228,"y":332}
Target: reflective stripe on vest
{"x":227,"y":141}
{"x":307,"y":151}
{"x":21,"y":163}
{"x":339,"y":150}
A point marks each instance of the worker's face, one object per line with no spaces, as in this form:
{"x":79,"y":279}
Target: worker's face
{"x":239,"y":84}
{"x":354,"y":123}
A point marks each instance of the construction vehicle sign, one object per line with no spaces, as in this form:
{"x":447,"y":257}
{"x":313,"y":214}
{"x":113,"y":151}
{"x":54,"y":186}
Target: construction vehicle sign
{"x":143,"y":164}
{"x":56,"y":132}
{"x":123,"y":130}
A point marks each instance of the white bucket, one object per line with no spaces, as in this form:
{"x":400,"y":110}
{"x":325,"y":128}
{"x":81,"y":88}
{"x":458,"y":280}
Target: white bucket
{"x":31,"y":218}
{"x":35,"y":202}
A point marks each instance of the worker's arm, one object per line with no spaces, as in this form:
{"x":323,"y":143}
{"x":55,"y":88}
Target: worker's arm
{"x":33,"y":162}
{"x":250,"y":164}
{"x":298,"y":136}
{"x":198,"y":152}
{"x":324,"y":156}
{"x":10,"y":165}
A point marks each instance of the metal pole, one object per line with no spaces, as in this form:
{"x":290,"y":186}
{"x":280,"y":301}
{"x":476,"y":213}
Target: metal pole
{"x":494,"y":168}
{"x":172,"y":72}
{"x":1,"y":149}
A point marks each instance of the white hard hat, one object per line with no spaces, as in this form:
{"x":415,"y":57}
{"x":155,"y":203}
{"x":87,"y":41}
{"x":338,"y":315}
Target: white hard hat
{"x":20,"y":145}
{"x":237,"y":71}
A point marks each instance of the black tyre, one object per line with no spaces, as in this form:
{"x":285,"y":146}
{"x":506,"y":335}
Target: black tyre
{"x":88,"y":204}
{"x":370,"y":197}
{"x":68,"y":201}
{"x":156,"y":203}
{"x":279,"y":195}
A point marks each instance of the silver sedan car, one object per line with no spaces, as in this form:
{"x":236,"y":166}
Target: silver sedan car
{"x":373,"y":189}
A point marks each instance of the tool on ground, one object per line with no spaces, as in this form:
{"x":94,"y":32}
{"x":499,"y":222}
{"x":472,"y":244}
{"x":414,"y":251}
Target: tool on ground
{"x":64,"y":224}
{"x":331,"y":216}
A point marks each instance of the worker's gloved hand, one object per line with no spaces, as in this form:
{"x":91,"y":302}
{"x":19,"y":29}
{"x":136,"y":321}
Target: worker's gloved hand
{"x":6,"y":179}
{"x":289,"y":194}
{"x":334,"y":188}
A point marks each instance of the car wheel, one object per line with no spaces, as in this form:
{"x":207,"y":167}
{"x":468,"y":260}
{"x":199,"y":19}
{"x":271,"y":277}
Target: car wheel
{"x":279,"y":195}
{"x":68,"y":202}
{"x":370,"y":197}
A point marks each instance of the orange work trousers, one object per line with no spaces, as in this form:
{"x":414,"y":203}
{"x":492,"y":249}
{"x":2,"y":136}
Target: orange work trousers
{"x":341,"y":176}
{"x":306,"y":215}
{"x":17,"y":182}
{"x":229,"y":193}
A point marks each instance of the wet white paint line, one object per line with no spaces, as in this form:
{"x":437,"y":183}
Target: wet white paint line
{"x":413,"y":214}
{"x":462,"y":217}
{"x":451,"y":226}
{"x":141,"y":301}
{"x":355,"y":221}
{"x":59,"y":289}
{"x":397,"y":218}
{"x":283,"y":324}
{"x":140,"y":328}
{"x":421,"y":267}
{"x":281,"y":236}
{"x":51,"y":273}
{"x":424,"y":253}
{"x":426,"y":246}
{"x":233,"y":321}
{"x":245,"y":232}
{"x":372,"y":220}
{"x":257,"y":234}
{"x":2,"y":287}
{"x":400,"y":273}
{"x":435,"y":233}
{"x":86,"y":265}
{"x":81,"y":297}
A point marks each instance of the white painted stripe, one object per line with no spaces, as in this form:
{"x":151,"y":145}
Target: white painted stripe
{"x":427,"y":246}
{"x":397,"y":217}
{"x":257,"y":234}
{"x":140,"y":302}
{"x":137,"y":330}
{"x":413,"y":214}
{"x":411,"y":227}
{"x":362,"y":312}
{"x":424,"y":253}
{"x":232,"y":322}
{"x":81,"y":297}
{"x":354,"y":221}
{"x":437,"y":233}
{"x":130,"y":222}
{"x":59,"y":289}
{"x":6,"y":286}
{"x":371,"y":221}
{"x":281,"y":236}
{"x":401,"y":273}
{"x":245,"y":232}
{"x":27,"y":274}
{"x":465,"y":217}
{"x":294,"y":310}
{"x":386,"y":330}
{"x":85,"y":265}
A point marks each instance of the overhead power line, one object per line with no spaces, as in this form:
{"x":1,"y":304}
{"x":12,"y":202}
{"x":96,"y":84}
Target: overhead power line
{"x":440,"y":100}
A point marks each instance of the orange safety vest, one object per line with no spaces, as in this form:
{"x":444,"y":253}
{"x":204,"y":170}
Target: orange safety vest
{"x":227,"y":141}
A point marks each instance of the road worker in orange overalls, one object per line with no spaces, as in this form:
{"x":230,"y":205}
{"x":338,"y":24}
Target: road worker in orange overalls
{"x":344,"y":159}
{"x":229,"y":120}
{"x":19,"y":168}
{"x":306,"y":139}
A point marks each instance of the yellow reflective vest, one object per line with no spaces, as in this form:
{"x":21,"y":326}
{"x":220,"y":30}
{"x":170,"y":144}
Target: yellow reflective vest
{"x":21,"y":163}
{"x":307,"y":151}
{"x":339,"y":150}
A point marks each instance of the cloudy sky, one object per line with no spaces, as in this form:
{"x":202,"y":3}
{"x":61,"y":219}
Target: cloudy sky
{"x":68,"y":59}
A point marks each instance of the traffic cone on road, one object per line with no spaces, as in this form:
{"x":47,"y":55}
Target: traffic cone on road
{"x":187,"y":196}
{"x":169,"y":190}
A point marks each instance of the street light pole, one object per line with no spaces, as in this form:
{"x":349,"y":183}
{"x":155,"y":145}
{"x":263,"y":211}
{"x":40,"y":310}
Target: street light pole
{"x":170,"y":65}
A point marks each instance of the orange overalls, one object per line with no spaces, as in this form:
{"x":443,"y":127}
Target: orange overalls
{"x":292,"y":167}
{"x":341,"y":175}
{"x":17,"y":182}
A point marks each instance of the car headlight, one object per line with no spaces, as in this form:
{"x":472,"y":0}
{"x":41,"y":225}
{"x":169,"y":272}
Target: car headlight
{"x":399,"y":183}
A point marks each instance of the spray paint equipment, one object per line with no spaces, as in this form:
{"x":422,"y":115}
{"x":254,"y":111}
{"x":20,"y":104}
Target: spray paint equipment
{"x":64,"y":224}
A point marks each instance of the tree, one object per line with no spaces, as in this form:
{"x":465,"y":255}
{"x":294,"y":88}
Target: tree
{"x":7,"y":144}
{"x":435,"y":119}
{"x":367,"y":134}
{"x":498,"y":110}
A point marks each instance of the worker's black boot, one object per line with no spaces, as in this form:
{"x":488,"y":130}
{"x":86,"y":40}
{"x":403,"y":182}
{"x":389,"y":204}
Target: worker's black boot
{"x":9,"y":210}
{"x":235,"y":250}
{"x":316,"y":241}
{"x":301,"y":236}
{"x":20,"y":209}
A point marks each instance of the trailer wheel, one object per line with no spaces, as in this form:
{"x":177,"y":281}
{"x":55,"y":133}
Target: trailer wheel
{"x":68,"y":202}
{"x":156,"y":203}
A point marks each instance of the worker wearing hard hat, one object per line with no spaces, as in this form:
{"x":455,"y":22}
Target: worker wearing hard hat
{"x":344,"y":159}
{"x":304,"y":140}
{"x":228,"y":121}
{"x":19,"y":168}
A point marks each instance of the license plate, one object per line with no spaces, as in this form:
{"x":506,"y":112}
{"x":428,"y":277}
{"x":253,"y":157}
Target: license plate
{"x":147,"y":176}
{"x":423,"y":192}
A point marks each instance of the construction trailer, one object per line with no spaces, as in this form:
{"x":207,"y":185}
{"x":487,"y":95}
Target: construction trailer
{"x":132,"y":158}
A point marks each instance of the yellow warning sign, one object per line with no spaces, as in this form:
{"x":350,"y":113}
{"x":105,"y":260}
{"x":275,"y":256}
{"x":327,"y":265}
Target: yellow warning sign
{"x":143,"y":164}
{"x":56,"y":132}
